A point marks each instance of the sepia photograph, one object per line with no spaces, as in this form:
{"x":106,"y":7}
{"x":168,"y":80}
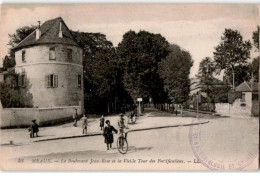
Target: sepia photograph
{"x":129,"y":87}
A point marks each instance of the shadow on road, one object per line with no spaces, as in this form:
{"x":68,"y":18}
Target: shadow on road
{"x":89,"y":154}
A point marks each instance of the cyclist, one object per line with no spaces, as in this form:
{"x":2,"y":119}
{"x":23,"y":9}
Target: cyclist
{"x":122,"y":125}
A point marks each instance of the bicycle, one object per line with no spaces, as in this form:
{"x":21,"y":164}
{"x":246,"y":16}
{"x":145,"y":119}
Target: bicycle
{"x":122,"y":144}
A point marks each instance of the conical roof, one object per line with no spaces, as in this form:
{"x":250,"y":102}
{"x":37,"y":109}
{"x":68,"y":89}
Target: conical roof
{"x":49,"y":35}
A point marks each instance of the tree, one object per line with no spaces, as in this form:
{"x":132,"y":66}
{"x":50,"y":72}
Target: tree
{"x":206,"y":78}
{"x":12,"y":96}
{"x":254,"y":69}
{"x":232,"y":51}
{"x":255,"y":63}
{"x":102,"y":75}
{"x":174,"y":71}
{"x":255,"y":38}
{"x":8,"y":62}
{"x":139,"y":55}
{"x":20,"y":34}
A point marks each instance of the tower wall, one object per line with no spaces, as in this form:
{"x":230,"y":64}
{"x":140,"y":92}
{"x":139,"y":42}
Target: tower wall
{"x":38,"y":66}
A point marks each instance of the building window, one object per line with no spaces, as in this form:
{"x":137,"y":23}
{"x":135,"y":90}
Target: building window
{"x":52,"y":81}
{"x":52,"y":54}
{"x":243,"y":98}
{"x":23,"y":56}
{"x":79,"y":81}
{"x":69,"y":54}
{"x":21,"y":80}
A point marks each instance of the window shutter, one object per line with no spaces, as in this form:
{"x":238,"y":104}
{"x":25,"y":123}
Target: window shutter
{"x":47,"y":81}
{"x":55,"y":80}
{"x":19,"y":80}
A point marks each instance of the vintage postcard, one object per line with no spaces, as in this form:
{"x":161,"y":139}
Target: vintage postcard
{"x":129,"y":87}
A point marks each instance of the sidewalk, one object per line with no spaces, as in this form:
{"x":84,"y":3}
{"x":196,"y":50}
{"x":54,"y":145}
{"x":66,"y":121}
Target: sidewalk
{"x":151,"y":120}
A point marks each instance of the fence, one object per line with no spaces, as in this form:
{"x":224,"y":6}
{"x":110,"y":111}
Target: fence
{"x":235,"y":109}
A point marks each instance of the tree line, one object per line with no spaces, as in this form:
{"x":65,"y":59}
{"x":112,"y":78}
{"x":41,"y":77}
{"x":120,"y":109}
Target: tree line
{"x":143,"y":65}
{"x":146,"y":65}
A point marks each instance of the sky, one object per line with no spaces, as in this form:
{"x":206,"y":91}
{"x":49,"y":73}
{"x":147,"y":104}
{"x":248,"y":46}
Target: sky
{"x":196,"y":28}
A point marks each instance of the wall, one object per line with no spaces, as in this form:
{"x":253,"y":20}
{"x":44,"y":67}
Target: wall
{"x":38,"y":66}
{"x":237,"y":108}
{"x":40,"y":54}
{"x":20,"y":117}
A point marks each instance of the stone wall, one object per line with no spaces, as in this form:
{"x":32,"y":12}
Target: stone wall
{"x":238,"y":107}
{"x":41,"y":53}
{"x":22,"y":117}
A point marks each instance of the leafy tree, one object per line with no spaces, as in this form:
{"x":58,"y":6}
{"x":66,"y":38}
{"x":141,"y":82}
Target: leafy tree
{"x":220,"y":94}
{"x":255,"y":38}
{"x":13,"y":97}
{"x":242,"y":72}
{"x":206,"y":78}
{"x":140,"y":54}
{"x":174,"y":71}
{"x":20,"y":34}
{"x":231,"y":52}
{"x":254,"y":69}
{"x":102,"y":75}
{"x":9,"y":97}
{"x":255,"y":63}
{"x":8,"y":62}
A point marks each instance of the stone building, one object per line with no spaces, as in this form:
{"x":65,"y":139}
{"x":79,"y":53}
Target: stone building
{"x":49,"y":64}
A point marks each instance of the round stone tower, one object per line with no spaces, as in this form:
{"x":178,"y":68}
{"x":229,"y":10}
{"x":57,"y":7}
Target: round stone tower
{"x":49,"y":64}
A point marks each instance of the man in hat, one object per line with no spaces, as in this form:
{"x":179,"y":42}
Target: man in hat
{"x":75,"y":117}
{"x":109,"y":139}
{"x":34,"y":129}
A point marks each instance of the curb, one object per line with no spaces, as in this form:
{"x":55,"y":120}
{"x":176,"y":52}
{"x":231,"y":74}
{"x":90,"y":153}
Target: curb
{"x":134,"y":130}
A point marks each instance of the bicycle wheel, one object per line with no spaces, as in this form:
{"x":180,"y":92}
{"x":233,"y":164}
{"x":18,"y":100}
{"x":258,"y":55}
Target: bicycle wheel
{"x":122,"y":145}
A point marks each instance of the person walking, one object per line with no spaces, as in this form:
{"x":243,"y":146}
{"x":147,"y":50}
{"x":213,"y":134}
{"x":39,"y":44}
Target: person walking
{"x":131,"y":116}
{"x":102,"y":122}
{"x":34,"y":129}
{"x":108,"y":134}
{"x":75,"y":118}
{"x":84,"y":124}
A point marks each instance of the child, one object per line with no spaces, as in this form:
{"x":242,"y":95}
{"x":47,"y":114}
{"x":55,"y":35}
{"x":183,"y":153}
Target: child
{"x":102,"y":120}
{"x":85,"y":124}
{"x":109,"y":139}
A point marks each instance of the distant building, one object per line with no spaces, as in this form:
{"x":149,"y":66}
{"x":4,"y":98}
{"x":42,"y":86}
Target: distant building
{"x":196,"y":92}
{"x":49,"y":65}
{"x":249,"y":97}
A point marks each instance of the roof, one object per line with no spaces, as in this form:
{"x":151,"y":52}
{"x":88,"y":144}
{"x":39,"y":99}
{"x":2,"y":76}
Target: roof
{"x":247,"y":87}
{"x":49,"y":34}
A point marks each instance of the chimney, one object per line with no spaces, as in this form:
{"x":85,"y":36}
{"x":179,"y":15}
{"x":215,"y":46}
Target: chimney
{"x":60,"y":31}
{"x":38,"y":32}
